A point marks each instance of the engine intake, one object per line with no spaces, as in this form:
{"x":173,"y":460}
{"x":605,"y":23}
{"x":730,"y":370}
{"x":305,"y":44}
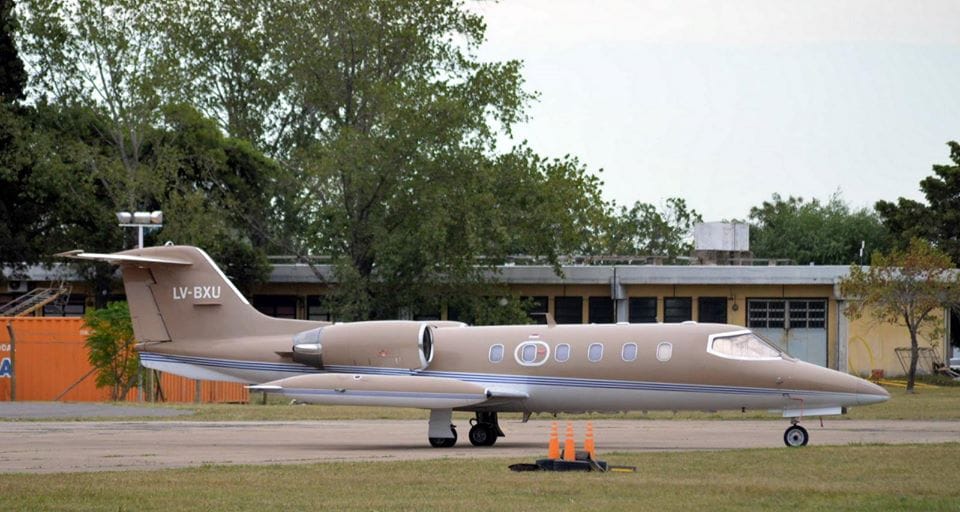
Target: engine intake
{"x":389,"y":344}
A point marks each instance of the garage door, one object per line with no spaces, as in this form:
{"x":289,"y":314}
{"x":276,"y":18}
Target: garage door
{"x":798,"y":326}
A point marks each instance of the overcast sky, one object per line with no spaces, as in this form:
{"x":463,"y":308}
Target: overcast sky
{"x":727,"y":102}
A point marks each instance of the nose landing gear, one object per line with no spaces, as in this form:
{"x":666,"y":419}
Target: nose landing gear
{"x":796,"y":436}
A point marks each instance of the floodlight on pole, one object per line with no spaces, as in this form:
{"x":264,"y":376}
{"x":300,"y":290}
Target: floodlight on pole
{"x":140,"y":220}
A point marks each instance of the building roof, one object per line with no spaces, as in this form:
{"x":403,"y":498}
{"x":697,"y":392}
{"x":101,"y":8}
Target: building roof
{"x":625,"y":274}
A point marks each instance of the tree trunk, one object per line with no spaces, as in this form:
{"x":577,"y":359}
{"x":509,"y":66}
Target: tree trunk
{"x":914,"y":356}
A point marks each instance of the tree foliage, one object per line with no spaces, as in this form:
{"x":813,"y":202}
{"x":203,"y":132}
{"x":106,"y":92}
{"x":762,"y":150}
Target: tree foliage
{"x":938,"y":221}
{"x":386,"y":126}
{"x":811,"y":231}
{"x":645,"y":230}
{"x":905,"y":287}
{"x":13,"y":77}
{"x":111,"y":348}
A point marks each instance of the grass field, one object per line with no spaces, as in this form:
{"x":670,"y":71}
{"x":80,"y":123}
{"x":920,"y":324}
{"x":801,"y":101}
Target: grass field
{"x":928,"y":403}
{"x":905,"y":477}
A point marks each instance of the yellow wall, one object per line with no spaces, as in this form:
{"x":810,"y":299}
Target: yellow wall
{"x":871,"y":344}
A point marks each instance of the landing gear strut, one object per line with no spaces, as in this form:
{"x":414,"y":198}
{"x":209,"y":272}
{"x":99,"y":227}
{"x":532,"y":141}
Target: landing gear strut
{"x":442,"y":433}
{"x":485,"y":429}
{"x":796,"y":436}
{"x":445,"y":442}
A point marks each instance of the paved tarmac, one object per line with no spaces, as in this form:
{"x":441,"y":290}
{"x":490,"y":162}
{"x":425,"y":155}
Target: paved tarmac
{"x":60,"y":410}
{"x":44,"y":447}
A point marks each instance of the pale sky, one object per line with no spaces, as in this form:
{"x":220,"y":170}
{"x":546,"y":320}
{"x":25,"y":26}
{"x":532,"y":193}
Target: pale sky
{"x":726,"y":102}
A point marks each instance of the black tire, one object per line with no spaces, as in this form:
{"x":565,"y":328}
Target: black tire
{"x":444,"y":442}
{"x":482,"y":434}
{"x":796,"y":436}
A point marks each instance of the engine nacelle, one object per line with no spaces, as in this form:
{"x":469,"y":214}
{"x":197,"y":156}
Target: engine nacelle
{"x":389,"y":344}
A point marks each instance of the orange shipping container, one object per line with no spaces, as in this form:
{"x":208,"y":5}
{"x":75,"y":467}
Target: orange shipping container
{"x":51,"y":357}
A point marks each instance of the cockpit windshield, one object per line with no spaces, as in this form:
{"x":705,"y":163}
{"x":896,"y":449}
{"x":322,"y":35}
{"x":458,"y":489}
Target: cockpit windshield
{"x":742,"y":345}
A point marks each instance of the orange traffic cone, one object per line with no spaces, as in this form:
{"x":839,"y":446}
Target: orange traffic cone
{"x":569,"y":450}
{"x":588,"y":443}
{"x":553,"y":451}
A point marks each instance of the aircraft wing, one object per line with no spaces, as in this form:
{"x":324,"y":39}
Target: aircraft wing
{"x":387,"y":390}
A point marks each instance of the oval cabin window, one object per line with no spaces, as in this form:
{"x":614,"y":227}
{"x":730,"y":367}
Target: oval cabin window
{"x":664,"y":351}
{"x":496,"y":353}
{"x":532,"y":353}
{"x":629,"y":352}
{"x":562,"y":353}
{"x":595,"y":352}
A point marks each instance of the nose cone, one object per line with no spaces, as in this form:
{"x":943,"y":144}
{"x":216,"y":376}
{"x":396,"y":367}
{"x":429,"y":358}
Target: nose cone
{"x":870,"y":393}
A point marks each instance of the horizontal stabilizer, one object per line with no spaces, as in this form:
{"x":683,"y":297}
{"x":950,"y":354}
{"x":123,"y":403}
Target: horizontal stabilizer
{"x":117,"y":258}
{"x":383,"y":390}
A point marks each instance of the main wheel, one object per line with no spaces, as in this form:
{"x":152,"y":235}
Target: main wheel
{"x":796,"y":436}
{"x":444,"y":442}
{"x":483,"y":434}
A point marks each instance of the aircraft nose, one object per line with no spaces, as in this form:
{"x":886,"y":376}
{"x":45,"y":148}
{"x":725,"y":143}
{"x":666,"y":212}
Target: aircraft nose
{"x":870,"y":393}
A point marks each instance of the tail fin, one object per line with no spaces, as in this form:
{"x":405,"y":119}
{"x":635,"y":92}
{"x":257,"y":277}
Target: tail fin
{"x":177,"y":293}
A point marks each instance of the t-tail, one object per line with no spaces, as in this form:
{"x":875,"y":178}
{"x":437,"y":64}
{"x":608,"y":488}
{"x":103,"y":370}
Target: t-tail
{"x":178,"y":295}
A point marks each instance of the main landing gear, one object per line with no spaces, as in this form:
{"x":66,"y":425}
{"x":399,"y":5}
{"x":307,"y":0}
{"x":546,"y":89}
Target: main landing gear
{"x":796,"y":436}
{"x":484,"y":431}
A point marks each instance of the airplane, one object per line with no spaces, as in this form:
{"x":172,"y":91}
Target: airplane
{"x":190,"y":320}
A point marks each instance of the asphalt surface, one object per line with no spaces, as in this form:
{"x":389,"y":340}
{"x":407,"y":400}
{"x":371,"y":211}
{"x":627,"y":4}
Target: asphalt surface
{"x":59,"y":410}
{"x":44,"y":447}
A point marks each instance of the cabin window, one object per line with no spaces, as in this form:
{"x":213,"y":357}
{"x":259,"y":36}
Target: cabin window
{"x":532,"y":353}
{"x":629,"y":352}
{"x":595,"y":352}
{"x":664,"y":351}
{"x":562,"y":353}
{"x":742,"y":345}
{"x":496,"y":353}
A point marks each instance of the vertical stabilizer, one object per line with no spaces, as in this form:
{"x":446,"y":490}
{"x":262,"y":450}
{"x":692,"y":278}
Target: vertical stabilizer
{"x":178,"y":294}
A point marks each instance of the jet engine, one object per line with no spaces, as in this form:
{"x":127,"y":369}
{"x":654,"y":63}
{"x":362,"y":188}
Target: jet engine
{"x":389,"y":344}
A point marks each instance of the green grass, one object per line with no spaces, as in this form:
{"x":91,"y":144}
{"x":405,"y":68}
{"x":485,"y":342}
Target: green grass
{"x":928,"y":403}
{"x":872,"y":477}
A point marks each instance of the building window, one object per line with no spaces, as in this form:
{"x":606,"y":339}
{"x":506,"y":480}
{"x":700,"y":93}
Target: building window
{"x":537,"y":308}
{"x":787,"y":314}
{"x":601,"y":310}
{"x":677,"y":309}
{"x":664,"y":351}
{"x":643,"y":310}
{"x":807,"y":314}
{"x":316,"y":310}
{"x":279,"y":306}
{"x":562,"y":353}
{"x":76,"y":305}
{"x":595,"y":352}
{"x":712,"y":310}
{"x":569,"y":310}
{"x":766,"y":313}
{"x":629,"y":352}
{"x":532,"y":353}
{"x":496,"y":353}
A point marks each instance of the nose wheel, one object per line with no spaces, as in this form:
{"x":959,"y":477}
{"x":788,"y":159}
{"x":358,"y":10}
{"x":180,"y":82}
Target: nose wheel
{"x":796,"y":436}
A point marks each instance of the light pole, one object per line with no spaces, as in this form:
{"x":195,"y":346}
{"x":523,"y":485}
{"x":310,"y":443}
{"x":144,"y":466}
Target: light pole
{"x":140,"y":220}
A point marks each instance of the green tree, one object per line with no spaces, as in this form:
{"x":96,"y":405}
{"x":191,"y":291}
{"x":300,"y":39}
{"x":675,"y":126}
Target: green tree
{"x":939,"y":219}
{"x":386,"y":127}
{"x":648,"y":231}
{"x":111,"y":348}
{"x":829,"y":233}
{"x":906,"y":287}
{"x":13,"y":77}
